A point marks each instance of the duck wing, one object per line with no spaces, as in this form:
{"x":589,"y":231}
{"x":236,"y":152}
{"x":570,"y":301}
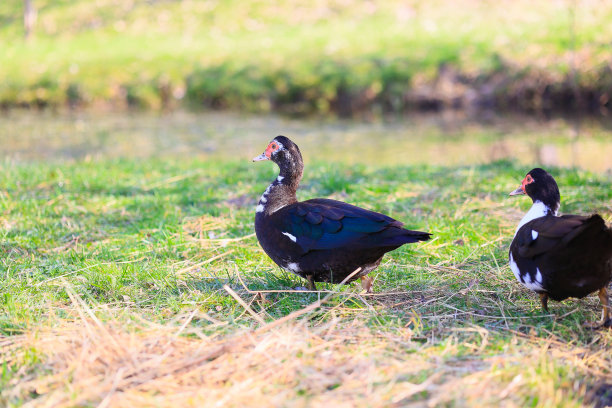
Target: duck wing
{"x":551,"y":233}
{"x":323,"y":224}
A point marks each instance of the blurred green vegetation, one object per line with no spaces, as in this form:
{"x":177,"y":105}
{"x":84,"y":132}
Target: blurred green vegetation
{"x":338,"y":55}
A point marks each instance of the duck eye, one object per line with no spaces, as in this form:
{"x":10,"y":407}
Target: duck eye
{"x":529,"y":179}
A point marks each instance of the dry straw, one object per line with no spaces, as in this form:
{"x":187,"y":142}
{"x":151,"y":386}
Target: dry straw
{"x":108,"y":364}
{"x":286,"y":362}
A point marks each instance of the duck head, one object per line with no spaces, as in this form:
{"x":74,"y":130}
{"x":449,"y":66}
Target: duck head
{"x":286,"y":154}
{"x":540,"y":187}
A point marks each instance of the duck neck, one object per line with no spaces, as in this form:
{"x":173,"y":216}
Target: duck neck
{"x":280,"y":193}
{"x":537,"y":210}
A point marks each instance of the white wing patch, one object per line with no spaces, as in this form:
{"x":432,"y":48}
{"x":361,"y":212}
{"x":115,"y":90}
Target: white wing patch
{"x":259,"y":208}
{"x":536,"y":284}
{"x":280,"y":179}
{"x":538,"y":278}
{"x":291,"y":237}
{"x":292,"y":267}
{"x":534,"y":234}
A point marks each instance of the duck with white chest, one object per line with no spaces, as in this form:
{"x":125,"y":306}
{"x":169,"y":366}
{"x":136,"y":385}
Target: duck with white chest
{"x":560,"y":256}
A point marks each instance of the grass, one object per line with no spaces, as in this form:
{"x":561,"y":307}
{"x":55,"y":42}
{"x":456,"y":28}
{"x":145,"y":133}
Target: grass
{"x":120,"y":278}
{"x":328,"y":56}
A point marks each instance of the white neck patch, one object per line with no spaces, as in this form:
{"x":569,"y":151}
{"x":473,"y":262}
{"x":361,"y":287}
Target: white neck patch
{"x":263,"y":200}
{"x":537,"y":210}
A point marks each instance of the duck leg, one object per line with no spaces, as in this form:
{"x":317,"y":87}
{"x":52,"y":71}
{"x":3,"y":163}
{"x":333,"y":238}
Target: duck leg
{"x":311,"y":282}
{"x":544,"y":301}
{"x":606,"y":315}
{"x":366,"y":283}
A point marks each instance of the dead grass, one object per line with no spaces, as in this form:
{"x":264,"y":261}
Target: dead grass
{"x":291,"y":362}
{"x":88,"y":362}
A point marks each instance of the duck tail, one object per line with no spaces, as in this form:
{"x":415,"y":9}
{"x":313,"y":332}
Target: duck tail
{"x":416,"y":236}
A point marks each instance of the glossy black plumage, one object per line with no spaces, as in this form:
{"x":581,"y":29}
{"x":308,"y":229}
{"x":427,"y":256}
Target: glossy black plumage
{"x":573,"y":254}
{"x":332,"y":238}
{"x":321,"y":240}
{"x":560,"y":256}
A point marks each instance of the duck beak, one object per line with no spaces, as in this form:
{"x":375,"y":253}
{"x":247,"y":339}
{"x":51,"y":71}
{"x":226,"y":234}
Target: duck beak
{"x":261,"y":157}
{"x":518,"y":191}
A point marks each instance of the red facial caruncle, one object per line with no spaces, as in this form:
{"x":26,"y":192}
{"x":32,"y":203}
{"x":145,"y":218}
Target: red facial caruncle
{"x":527,"y":180}
{"x":272,"y":147}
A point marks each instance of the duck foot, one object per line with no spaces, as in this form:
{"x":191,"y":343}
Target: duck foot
{"x":606,"y":314}
{"x":366,"y":284}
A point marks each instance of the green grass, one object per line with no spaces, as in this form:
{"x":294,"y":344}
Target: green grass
{"x":288,"y":55}
{"x":133,"y":239}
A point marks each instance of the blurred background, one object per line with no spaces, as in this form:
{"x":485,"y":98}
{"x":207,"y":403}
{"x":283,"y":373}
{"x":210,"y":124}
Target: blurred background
{"x":438,"y":81}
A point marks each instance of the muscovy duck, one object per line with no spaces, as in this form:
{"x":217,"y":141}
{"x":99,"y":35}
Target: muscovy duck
{"x":321,"y":240}
{"x":560,"y":256}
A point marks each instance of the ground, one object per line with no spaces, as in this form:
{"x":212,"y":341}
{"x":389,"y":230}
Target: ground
{"x":140,"y":282}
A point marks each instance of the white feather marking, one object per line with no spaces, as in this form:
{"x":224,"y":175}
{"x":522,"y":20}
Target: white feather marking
{"x":538,"y":278}
{"x":263,"y":199}
{"x":537,"y":210}
{"x":291,"y":237}
{"x":292,"y":267}
{"x":534,"y":234}
{"x":536,"y":284}
{"x":515,"y":269}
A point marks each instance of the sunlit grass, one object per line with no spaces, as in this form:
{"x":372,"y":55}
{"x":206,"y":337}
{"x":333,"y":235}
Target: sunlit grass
{"x":148,"y":246}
